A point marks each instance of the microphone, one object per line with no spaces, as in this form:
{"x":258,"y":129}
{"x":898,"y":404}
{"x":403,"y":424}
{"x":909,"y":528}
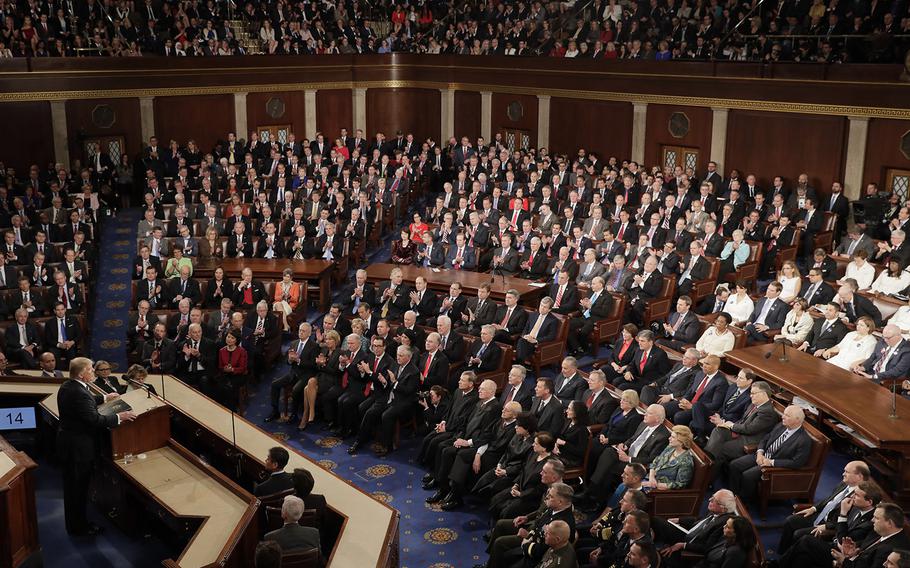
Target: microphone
{"x":138,"y":385}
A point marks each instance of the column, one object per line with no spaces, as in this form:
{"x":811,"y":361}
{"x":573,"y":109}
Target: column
{"x":856,"y":157}
{"x":241,"y":129}
{"x":639,"y":126}
{"x":447,"y":120}
{"x":486,"y":115}
{"x":543,"y":121}
{"x":309,"y":114}
{"x":718,"y":139}
{"x":147,"y":119}
{"x":61,"y":140}
{"x":360,"y":109}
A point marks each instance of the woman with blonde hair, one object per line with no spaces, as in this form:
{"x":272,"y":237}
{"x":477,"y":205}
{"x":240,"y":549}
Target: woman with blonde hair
{"x":854,"y":348}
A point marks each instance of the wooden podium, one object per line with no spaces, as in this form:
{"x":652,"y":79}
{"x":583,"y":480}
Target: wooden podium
{"x":149,"y":431}
{"x":18,"y":517}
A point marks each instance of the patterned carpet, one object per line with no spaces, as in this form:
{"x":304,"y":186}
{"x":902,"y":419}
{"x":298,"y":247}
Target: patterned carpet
{"x":112,"y":300}
{"x":429,"y":538}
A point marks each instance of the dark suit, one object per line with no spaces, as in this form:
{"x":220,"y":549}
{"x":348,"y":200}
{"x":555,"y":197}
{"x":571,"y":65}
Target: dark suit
{"x":792,"y":454}
{"x":478,"y":429}
{"x":294,"y":536}
{"x":710,"y":531}
{"x":167,"y":356}
{"x":469,"y":258}
{"x":513,"y":326}
{"x":897,"y":365}
{"x":567,"y":389}
{"x":862,"y":306}
{"x":276,"y":483}
{"x":14,"y":349}
{"x":550,"y":416}
{"x":774,"y":319}
{"x":606,"y":469}
{"x":455,"y":419}
{"x":78,"y":429}
{"x":399,"y":403}
{"x":523,"y":394}
{"x":656,"y":365}
{"x":438,"y":373}
{"x":685,"y":332}
{"x":809,"y":550}
{"x":489,"y":358}
{"x":831,"y":336}
{"x":711,"y":398}
{"x":874,"y":553}
{"x":398,"y":303}
{"x":569,"y":300}
{"x":675,"y":382}
{"x":580,"y":327}
{"x":524,"y":349}
{"x":821,"y":294}
{"x":797,"y":526}
{"x":72,"y":333}
{"x":483,"y":314}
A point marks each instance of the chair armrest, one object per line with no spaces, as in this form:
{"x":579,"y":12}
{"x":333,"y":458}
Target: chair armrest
{"x":801,"y":507}
{"x":750,"y":448}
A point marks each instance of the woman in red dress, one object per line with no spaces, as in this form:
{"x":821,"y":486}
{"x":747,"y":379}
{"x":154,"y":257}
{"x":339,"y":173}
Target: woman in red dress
{"x":232,"y":363}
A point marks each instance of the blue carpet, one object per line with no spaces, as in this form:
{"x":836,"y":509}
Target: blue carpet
{"x":113,"y":289}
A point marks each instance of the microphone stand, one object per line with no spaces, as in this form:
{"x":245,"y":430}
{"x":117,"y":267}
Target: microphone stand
{"x":139,"y":385}
{"x":783,"y":355}
{"x":893,"y":414}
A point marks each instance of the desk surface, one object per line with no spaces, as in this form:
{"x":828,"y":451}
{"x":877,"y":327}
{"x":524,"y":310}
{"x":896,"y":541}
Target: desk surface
{"x":6,"y":464}
{"x":189,"y":491}
{"x":362,"y":541}
{"x":441,"y":279}
{"x":855,"y":401}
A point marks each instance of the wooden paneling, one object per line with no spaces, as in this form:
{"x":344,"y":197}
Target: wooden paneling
{"x":413,"y":111}
{"x":883,"y":149}
{"x":576,"y":123}
{"x":28,"y":135}
{"x":467,"y":115}
{"x":334,"y":111}
{"x":658,"y":134}
{"x":257,"y":115}
{"x":203,"y":118}
{"x":770,"y":144}
{"x":127,"y":123}
{"x":500,"y":118}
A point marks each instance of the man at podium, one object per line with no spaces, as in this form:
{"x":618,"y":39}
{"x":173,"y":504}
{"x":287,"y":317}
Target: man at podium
{"x":79,"y":424}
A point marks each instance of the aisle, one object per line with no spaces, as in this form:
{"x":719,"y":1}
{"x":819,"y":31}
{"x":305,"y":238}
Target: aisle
{"x":113,"y":289}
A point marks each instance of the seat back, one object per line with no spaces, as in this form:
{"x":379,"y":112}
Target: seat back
{"x":659,"y":308}
{"x":307,"y":558}
{"x":757,"y":554}
{"x":705,"y":287}
{"x":551,"y":352}
{"x":606,"y":329}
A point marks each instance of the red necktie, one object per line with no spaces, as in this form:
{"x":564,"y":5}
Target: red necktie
{"x":512,"y":394}
{"x":644,"y":361}
{"x":426,"y":368}
{"x":369,"y":388}
{"x":589,"y":401}
{"x":700,"y":389}
{"x":558,"y":297}
{"x":505,"y":320}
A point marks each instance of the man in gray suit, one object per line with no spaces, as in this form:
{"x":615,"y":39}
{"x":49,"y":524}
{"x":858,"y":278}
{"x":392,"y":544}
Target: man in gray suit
{"x":728,"y":439}
{"x":855,"y":241}
{"x":589,"y":269}
{"x":293,"y":536}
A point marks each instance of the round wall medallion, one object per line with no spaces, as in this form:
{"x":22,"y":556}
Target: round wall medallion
{"x":515,"y":111}
{"x":678,"y":124}
{"x":275,"y":107}
{"x":103,"y":116}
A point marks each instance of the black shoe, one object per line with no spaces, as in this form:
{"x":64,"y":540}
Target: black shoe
{"x":354,"y":447}
{"x":427,"y":478}
{"x":431,"y":484}
{"x":293,"y":419}
{"x":452,"y":503}
{"x":436,"y":497}
{"x":272,"y":417}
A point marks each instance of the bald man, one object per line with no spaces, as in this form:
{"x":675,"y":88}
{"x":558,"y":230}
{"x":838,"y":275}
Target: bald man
{"x":788,"y":445}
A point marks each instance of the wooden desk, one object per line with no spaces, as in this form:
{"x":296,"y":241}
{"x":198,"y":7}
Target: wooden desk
{"x":18,"y":516}
{"x":273,"y":269}
{"x":850,"y":399}
{"x":369,"y":537}
{"x":441,"y":279}
{"x":179,"y":482}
